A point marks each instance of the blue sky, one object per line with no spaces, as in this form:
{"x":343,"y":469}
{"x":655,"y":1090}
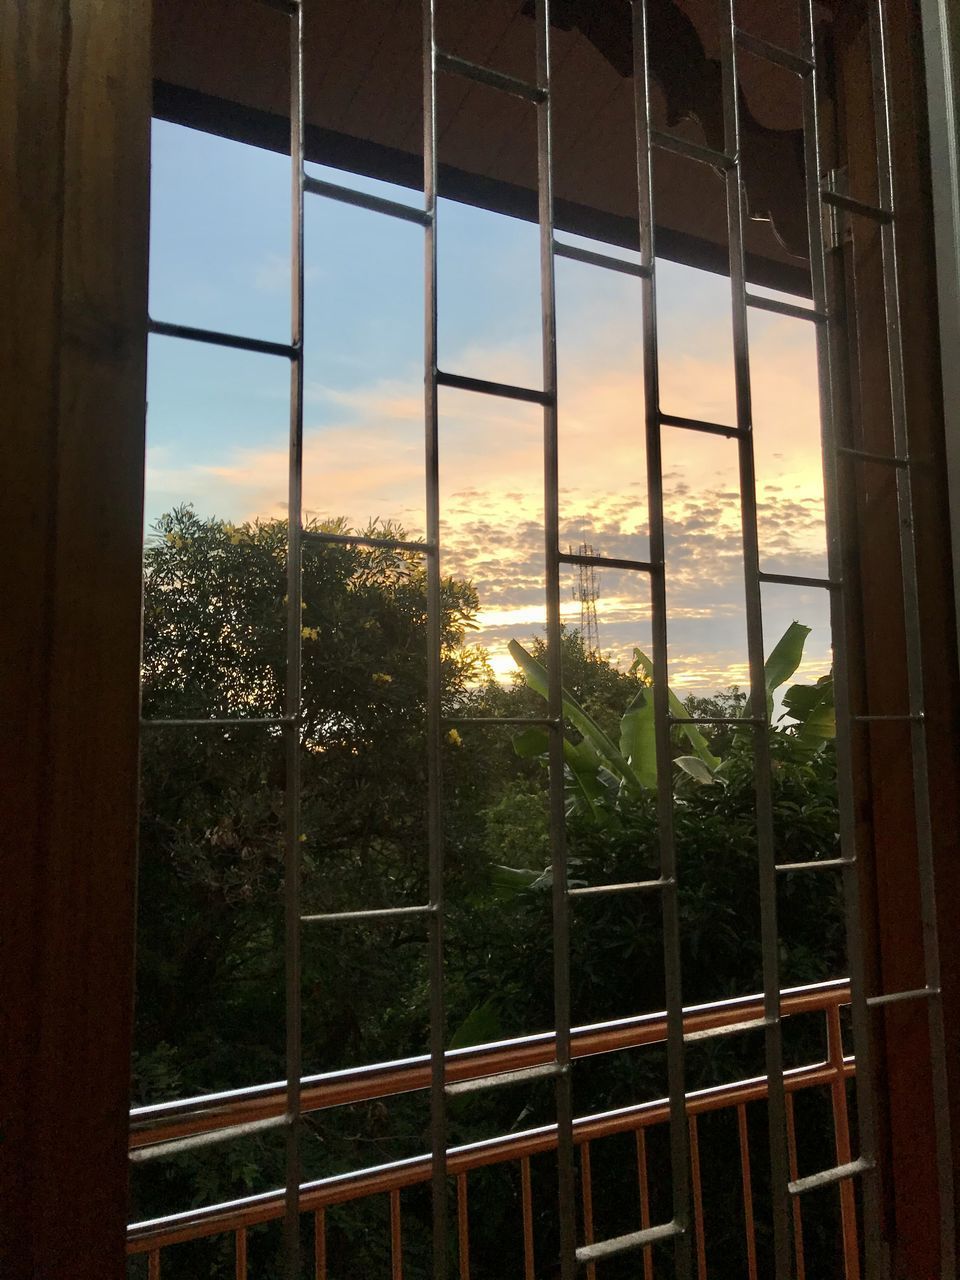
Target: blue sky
{"x":217,"y":420}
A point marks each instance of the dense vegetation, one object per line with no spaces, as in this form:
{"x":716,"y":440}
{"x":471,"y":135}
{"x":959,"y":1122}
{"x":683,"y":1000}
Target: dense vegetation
{"x":210,"y":986}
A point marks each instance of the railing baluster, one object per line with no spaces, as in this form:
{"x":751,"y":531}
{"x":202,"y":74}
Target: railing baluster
{"x":396,"y":1238}
{"x":526,"y":1198}
{"x":794,"y":1173}
{"x":320,"y":1244}
{"x":841,"y":1129}
{"x":644,"y":1199}
{"x":463,"y":1226}
{"x":586,"y":1190}
{"x":697,"y":1200}
{"x":153,"y":1265}
{"x":240,"y":1254}
{"x":743,"y":1134}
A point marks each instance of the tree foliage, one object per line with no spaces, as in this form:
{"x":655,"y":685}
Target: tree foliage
{"x":210,"y":1009}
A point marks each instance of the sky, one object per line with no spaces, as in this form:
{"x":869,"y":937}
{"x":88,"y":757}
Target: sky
{"x":218,"y":419}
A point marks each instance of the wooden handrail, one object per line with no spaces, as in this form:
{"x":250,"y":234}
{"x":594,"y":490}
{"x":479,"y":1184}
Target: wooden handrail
{"x":235,"y":1215}
{"x":390,"y":1078}
{"x":167,"y":1122}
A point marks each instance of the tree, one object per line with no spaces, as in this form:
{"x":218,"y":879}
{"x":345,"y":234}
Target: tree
{"x":210,"y":1010}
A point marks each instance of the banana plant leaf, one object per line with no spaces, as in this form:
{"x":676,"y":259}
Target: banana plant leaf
{"x":638,"y":738}
{"x":581,"y":760}
{"x":693,"y":735}
{"x":535,"y":675}
{"x":783,"y":661}
{"x":812,"y":706}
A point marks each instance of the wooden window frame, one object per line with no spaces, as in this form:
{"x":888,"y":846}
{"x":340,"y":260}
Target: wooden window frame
{"x":75,"y":109}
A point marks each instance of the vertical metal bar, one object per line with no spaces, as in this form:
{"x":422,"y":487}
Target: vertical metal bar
{"x":293,"y":691}
{"x":438,"y":1106}
{"x":840,"y":569}
{"x":841,"y":1129}
{"x":320,"y":1245}
{"x":941,"y":44}
{"x":396,"y":1238}
{"x":644,"y":1185}
{"x":793,"y":1169}
{"x":766,"y":853}
{"x":746,"y":1180}
{"x":586,"y":1191}
{"x":880,"y":59}
{"x":697,"y":1200}
{"x":240,"y":1254}
{"x":526,"y":1199}
{"x":551,"y":524}
{"x":463,"y":1226}
{"x":679,"y":1153}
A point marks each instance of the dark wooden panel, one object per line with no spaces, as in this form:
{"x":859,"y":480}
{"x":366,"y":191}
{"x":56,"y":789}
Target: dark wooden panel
{"x":892,"y":902}
{"x":75,"y":114}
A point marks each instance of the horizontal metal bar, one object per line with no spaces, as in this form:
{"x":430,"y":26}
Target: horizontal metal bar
{"x":634,"y":886}
{"x":605,"y":562}
{"x":235,"y":341}
{"x":753,"y":722}
{"x":563,"y":250}
{"x":730,"y":1029}
{"x":850,"y":205}
{"x":829,"y":1176}
{"x":312,"y":539}
{"x":481,"y":386}
{"x":796,"y":580}
{"x":785,"y":308}
{"x":211,"y":1137}
{"x":697,"y":424}
{"x":815,"y":864}
{"x":409,"y":1074}
{"x":455,"y":66}
{"x":772,"y":53}
{"x":410,"y":1171}
{"x":374,"y":914}
{"x":692,"y":150}
{"x":864,"y":455}
{"x":541,"y":722}
{"x":546,"y":1071}
{"x":896,"y":997}
{"x":622,"y":1244}
{"x":363,"y":200}
{"x":223,"y":722}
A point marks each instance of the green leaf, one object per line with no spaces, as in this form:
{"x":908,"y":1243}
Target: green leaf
{"x":800,"y":699}
{"x":536,"y":677}
{"x":507,"y":882}
{"x":482,"y":1025}
{"x":531,"y":743}
{"x":690,"y":731}
{"x":697,"y":770}
{"x":819,"y":723}
{"x":783,"y":661}
{"x":583,"y":770}
{"x":638,"y":738}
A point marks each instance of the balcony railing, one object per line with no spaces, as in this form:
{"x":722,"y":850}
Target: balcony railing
{"x":170,"y":1128}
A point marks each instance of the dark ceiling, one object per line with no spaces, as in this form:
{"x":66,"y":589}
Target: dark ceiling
{"x":223,"y":64}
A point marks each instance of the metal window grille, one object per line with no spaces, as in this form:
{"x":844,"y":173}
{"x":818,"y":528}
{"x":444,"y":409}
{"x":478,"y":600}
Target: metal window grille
{"x":823,"y":199}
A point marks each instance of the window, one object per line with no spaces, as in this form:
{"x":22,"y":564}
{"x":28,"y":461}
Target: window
{"x":617,"y":401}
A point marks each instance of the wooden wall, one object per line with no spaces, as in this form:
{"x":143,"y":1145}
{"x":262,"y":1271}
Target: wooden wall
{"x":75,"y":80}
{"x":74,"y":171}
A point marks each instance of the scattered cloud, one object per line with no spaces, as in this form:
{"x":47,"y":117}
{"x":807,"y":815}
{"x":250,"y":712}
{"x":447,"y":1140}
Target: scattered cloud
{"x":363,"y":457}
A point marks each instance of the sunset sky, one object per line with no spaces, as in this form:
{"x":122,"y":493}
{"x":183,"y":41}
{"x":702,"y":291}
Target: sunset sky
{"x":217,"y":421}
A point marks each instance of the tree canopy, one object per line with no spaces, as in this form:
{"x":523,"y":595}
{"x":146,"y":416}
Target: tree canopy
{"x":210,"y":1010}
